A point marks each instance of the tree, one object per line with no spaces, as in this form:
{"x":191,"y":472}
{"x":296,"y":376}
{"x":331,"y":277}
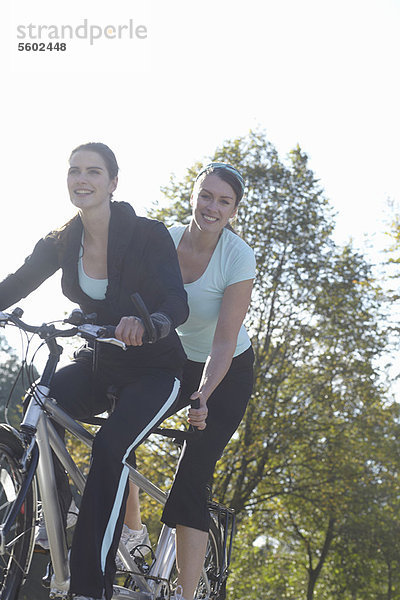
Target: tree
{"x":13,"y":384}
{"x":315,"y":325}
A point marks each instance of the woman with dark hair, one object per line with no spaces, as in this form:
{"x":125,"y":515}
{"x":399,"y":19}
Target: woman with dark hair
{"x":107,"y":253}
{"x":218,"y":269}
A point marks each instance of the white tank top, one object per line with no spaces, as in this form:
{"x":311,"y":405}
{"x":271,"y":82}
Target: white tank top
{"x":94,"y":288}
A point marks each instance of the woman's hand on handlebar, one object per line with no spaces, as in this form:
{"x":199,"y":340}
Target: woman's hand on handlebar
{"x":130,"y":330}
{"x":198,"y":416}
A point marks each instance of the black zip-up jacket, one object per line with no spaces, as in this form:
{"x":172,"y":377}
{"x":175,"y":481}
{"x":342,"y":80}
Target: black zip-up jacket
{"x":141,"y":257}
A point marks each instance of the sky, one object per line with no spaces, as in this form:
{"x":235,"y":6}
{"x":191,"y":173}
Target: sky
{"x":164,"y":82}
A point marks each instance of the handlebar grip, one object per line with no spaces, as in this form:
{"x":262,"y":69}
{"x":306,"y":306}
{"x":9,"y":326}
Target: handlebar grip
{"x":143,"y":313}
{"x":195,"y":404}
{"x":78,"y":317}
{"x":109,"y":331}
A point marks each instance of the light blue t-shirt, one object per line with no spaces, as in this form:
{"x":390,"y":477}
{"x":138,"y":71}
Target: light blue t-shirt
{"x":232,"y":261}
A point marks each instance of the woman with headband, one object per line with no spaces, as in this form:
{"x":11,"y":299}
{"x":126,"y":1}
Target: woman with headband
{"x":218,"y":269}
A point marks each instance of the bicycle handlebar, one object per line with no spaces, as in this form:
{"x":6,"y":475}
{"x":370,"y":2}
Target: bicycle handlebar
{"x":6,"y":317}
{"x":88,"y":331}
{"x":84,"y":326}
{"x":100,"y":333}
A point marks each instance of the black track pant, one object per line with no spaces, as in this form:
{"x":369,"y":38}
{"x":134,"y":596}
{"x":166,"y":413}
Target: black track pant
{"x":144,"y":399}
{"x":187,"y":501}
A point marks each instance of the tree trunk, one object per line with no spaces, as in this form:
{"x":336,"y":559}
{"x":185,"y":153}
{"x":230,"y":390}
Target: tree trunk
{"x":313,"y":574}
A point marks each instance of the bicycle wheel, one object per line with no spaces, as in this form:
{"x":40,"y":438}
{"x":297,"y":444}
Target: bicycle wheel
{"x":208,"y":587}
{"x":19,"y":542}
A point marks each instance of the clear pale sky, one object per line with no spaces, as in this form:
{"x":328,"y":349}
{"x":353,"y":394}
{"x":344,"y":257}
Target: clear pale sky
{"x":323,"y":74}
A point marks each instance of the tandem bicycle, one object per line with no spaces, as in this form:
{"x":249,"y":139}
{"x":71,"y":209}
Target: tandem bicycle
{"x":27,"y":474}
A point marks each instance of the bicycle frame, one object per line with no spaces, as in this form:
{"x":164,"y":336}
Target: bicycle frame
{"x":41,"y":440}
{"x":38,"y":414}
{"x":40,"y":410}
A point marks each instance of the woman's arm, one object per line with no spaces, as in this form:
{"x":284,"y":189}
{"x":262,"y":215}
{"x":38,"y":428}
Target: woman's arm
{"x":235,"y":302}
{"x":38,"y":267}
{"x":169,"y":308}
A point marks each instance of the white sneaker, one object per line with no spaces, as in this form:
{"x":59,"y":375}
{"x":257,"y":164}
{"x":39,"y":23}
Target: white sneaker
{"x":132,"y":538}
{"x":41,"y":538}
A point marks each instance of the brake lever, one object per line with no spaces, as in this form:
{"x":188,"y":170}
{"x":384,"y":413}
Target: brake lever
{"x":95,"y":331}
{"x":113,"y":341}
{"x":195,"y":404}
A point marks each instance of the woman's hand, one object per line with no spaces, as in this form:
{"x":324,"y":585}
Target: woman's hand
{"x":197,"y":416}
{"x":130,"y":330}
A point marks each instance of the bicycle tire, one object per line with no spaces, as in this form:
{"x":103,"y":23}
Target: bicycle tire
{"x":15,"y":562}
{"x":212,"y":566}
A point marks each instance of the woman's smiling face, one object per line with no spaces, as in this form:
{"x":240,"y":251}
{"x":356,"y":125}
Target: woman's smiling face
{"x":88,"y":180}
{"x":214,"y":203}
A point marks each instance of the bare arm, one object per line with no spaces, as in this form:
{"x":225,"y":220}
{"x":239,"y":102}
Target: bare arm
{"x":235,"y":302}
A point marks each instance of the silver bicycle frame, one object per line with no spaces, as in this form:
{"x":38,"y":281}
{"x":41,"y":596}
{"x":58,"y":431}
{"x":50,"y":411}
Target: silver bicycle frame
{"x":40,"y":409}
{"x":165,"y":552}
{"x":36,"y":418}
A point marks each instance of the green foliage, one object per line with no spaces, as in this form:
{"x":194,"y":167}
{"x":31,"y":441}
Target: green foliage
{"x":301,"y":468}
{"x":13,"y":383}
{"x":313,"y":471}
